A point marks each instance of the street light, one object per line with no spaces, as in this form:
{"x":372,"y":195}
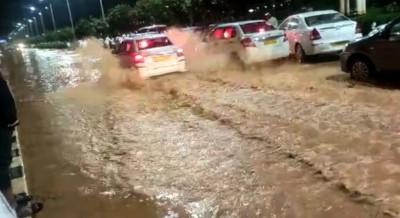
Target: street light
{"x":30,"y":27}
{"x":41,"y":19}
{"x":32,"y":8}
{"x":51,"y":13}
{"x":36,"y":26}
{"x":102,"y":10}
{"x":70,"y":18}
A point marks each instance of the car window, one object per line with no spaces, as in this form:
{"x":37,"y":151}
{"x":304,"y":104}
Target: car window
{"x":325,"y":19}
{"x":284,"y":24}
{"x":223,"y":33}
{"x":294,"y":23}
{"x":256,"y":27}
{"x":395,"y":29}
{"x":143,"y":44}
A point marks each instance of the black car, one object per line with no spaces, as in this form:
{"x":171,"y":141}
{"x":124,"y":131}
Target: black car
{"x":379,"y":52}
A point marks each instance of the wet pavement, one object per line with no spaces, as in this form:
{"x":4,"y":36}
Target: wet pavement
{"x":282,"y":141}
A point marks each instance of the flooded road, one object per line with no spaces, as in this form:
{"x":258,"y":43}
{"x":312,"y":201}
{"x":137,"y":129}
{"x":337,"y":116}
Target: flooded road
{"x":283,"y":141}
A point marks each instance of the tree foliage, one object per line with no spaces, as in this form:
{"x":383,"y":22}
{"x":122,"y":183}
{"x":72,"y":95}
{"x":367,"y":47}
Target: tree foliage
{"x":121,"y":18}
{"x":85,"y":28}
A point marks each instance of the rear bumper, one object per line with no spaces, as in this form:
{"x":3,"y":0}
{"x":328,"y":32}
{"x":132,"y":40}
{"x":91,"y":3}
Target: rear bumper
{"x":344,"y":61}
{"x":146,"y":72}
{"x":326,"y":47}
{"x":256,"y":55}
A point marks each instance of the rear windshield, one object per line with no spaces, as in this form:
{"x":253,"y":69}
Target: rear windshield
{"x":143,"y":44}
{"x":256,"y":27}
{"x":325,"y":19}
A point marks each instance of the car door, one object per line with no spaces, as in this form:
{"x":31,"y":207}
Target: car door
{"x":385,"y":51}
{"x":290,"y":26}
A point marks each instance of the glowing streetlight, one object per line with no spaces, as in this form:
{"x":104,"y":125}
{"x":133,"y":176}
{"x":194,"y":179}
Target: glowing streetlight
{"x":32,"y":8}
{"x":36,"y":25}
{"x":42,"y":21}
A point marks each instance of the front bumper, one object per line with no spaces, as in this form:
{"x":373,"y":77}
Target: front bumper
{"x":344,"y":61}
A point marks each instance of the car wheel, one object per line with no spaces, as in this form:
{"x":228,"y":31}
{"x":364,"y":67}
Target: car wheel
{"x":300,"y":54}
{"x":360,"y":69}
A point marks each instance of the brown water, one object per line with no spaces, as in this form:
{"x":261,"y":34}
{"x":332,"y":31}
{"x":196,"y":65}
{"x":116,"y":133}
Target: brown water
{"x":285,"y":141}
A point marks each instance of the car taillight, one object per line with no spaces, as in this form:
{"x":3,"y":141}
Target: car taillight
{"x":247,"y":42}
{"x":138,"y":58}
{"x":143,"y":44}
{"x":315,"y":35}
{"x":358,"y":28}
{"x":179,"y":52}
{"x":285,"y":37}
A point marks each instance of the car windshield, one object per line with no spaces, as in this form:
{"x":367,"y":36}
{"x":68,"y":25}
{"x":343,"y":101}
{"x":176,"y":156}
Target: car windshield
{"x":325,"y":19}
{"x":143,"y":44}
{"x":256,"y":27}
{"x":377,"y":30}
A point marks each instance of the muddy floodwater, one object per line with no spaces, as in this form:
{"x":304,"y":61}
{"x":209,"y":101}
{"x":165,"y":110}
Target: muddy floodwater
{"x":283,"y":140}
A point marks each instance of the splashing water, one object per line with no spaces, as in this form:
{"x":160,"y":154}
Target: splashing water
{"x":95,"y":57}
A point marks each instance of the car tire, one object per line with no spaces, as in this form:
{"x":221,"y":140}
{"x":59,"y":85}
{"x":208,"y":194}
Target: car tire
{"x":360,"y":69}
{"x":300,"y":55}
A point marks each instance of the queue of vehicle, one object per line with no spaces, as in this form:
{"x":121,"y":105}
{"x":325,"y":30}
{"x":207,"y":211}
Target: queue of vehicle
{"x":255,"y":41}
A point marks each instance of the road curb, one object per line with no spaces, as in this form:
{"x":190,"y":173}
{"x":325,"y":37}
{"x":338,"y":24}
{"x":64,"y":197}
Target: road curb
{"x":17,"y":173}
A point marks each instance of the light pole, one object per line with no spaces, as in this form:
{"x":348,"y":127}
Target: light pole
{"x":102,"y":10}
{"x":36,"y":26}
{"x":71,"y":19}
{"x":41,"y":19}
{"x":30,"y":26}
{"x":51,"y":13}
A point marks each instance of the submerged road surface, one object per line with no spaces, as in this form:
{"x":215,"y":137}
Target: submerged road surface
{"x":283,"y":141}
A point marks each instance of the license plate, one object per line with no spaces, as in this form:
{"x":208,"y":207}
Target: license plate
{"x":338,"y":44}
{"x":270,"y":42}
{"x":161,"y":58}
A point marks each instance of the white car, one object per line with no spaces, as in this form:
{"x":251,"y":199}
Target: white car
{"x":151,"y":55}
{"x":319,"y":32}
{"x":249,"y":42}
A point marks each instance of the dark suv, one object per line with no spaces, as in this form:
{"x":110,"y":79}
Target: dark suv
{"x":375,"y":53}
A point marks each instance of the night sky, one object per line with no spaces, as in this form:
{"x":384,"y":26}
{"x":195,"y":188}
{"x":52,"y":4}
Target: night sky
{"x":13,"y":11}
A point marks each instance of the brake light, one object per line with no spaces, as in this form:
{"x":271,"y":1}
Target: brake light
{"x":247,"y":42}
{"x":179,"y":52}
{"x":315,"y":35}
{"x":143,"y":44}
{"x":285,"y":37}
{"x":358,"y":28}
{"x":138,"y":58}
